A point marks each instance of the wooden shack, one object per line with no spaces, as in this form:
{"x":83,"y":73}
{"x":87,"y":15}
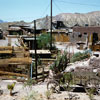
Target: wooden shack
{"x":19,"y":29}
{"x":29,"y":41}
{"x":60,"y":35}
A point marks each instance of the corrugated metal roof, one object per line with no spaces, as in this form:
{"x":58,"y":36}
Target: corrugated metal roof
{"x":14,"y":29}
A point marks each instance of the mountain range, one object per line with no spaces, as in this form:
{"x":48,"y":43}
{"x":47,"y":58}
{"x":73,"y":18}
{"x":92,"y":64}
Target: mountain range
{"x":1,"y":21}
{"x":69,"y":19}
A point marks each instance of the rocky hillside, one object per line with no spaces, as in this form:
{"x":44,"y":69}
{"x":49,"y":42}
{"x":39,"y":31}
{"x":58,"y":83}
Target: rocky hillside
{"x":91,"y":18}
{"x":71,"y":19}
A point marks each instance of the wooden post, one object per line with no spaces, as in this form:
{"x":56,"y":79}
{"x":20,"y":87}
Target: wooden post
{"x":35,"y":47}
{"x":29,"y":71}
{"x":9,"y":41}
{"x":43,"y":72}
{"x":51,"y":28}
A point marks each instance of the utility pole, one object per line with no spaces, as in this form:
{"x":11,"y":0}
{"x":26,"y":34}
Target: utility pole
{"x":35,"y":46}
{"x":51,"y":28}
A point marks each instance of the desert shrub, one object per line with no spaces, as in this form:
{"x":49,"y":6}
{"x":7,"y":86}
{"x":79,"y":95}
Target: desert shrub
{"x":29,"y":82}
{"x":11,"y":87}
{"x":48,"y":94}
{"x":68,"y":77}
{"x":80,"y":56}
{"x":91,"y":93}
{"x":28,"y":85}
{"x":33,"y":96}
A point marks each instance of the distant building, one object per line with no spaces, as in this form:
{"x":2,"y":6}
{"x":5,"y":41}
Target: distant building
{"x":19,"y":29}
{"x":89,"y":34}
{"x":60,"y":35}
{"x":15,"y":32}
{"x":58,"y":25}
{"x":60,"y":32}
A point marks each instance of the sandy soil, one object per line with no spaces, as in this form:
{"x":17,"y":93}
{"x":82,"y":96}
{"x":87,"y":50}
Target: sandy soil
{"x":21,"y":92}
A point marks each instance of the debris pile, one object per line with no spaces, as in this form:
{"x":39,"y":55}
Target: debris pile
{"x":92,"y":63}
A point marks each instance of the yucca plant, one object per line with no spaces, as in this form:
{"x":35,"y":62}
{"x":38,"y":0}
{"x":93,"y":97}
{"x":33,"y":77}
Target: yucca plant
{"x":61,"y":62}
{"x":11,"y":87}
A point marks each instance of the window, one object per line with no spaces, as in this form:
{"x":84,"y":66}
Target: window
{"x":79,"y":35}
{"x":85,"y":33}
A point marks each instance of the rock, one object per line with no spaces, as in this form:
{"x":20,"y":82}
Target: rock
{"x":1,"y":92}
{"x":94,"y":62}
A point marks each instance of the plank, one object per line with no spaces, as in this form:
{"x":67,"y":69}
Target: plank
{"x":43,"y":59}
{"x":6,"y":52}
{"x":12,"y":74}
{"x":7,"y":78}
{"x":16,"y":61}
{"x":5,"y":47}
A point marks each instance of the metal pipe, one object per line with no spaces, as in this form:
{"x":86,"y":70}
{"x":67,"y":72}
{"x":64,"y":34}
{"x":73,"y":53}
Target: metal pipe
{"x":31,"y":69}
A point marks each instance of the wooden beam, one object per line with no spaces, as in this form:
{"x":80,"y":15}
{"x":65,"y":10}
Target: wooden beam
{"x":16,"y":61}
{"x":6,"y":52}
{"x":43,"y":59}
{"x":8,"y":78}
{"x":5,"y":47}
{"x":12,"y":74}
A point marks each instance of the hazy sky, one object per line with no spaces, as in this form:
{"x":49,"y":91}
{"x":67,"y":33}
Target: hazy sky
{"x":28,"y":10}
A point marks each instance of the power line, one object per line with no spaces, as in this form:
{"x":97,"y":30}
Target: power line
{"x":45,"y":10}
{"x":77,"y":3}
{"x":57,"y":6}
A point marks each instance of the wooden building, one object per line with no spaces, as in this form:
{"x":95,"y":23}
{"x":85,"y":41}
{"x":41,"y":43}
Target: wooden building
{"x":60,"y":32}
{"x":18,"y":29}
{"x":89,"y":35}
{"x":61,"y":35}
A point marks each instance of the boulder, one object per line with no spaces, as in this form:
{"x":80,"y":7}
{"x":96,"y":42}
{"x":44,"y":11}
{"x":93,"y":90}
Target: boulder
{"x":94,"y":62}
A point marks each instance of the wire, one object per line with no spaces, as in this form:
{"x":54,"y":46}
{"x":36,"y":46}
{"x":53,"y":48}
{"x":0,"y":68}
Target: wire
{"x":57,"y":6}
{"x":77,"y":3}
{"x":45,"y":10}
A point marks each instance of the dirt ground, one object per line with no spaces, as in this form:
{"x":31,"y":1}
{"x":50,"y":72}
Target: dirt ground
{"x":21,"y":92}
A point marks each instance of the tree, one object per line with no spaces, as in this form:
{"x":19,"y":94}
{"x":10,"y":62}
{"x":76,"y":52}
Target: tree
{"x":44,"y":41}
